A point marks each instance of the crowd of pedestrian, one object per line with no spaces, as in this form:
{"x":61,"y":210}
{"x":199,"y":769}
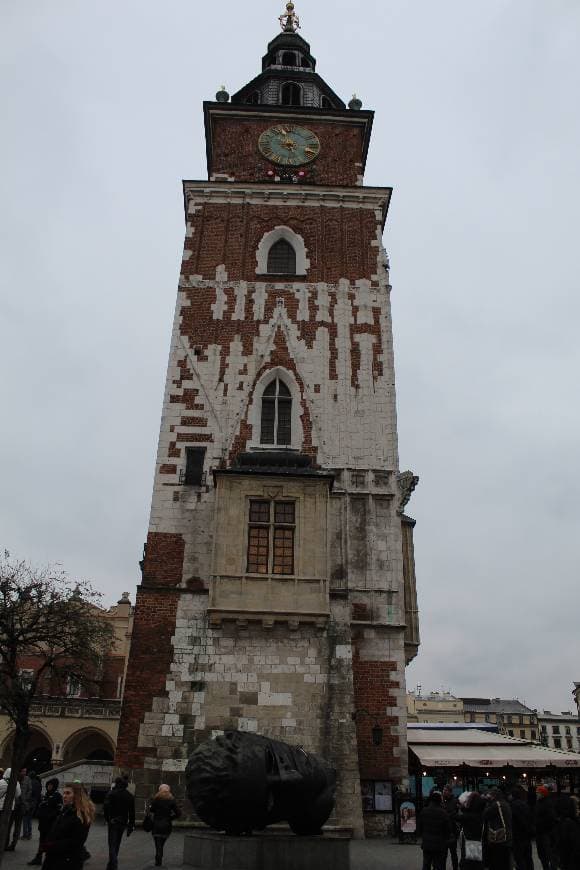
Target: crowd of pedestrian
{"x":64,"y":819}
{"x":495,"y":831}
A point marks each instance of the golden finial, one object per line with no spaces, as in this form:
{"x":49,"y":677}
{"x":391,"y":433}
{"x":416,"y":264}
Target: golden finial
{"x":289,"y":21}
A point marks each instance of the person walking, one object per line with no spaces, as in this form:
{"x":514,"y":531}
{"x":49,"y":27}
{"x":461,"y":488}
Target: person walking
{"x":15,"y":810}
{"x":471,"y":837}
{"x":435,"y":829}
{"x":48,"y":810}
{"x":523,"y":829}
{"x":119,"y":813}
{"x":31,"y":792}
{"x":546,"y":825}
{"x":451,"y":807}
{"x":163,"y":810}
{"x":64,"y":845}
{"x":498,"y":833}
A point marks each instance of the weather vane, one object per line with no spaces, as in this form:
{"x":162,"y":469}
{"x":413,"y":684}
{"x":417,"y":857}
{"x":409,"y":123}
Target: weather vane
{"x":289,"y":21}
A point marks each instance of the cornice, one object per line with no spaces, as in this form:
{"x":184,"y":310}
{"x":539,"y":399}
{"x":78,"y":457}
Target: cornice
{"x":288,"y":195}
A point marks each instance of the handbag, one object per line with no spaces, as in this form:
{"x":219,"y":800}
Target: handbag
{"x":472,"y":850}
{"x":497,"y":836}
{"x":148,"y":822}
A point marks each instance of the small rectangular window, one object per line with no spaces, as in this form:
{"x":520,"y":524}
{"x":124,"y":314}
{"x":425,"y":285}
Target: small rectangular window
{"x":557,"y":743}
{"x":555,"y":729}
{"x":73,"y":688}
{"x":194,"y":462}
{"x":523,"y":733}
{"x":26,"y":676}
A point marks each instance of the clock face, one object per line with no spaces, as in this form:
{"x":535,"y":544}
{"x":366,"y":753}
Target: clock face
{"x":289,"y":145}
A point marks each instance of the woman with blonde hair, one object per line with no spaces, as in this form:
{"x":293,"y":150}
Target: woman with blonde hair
{"x":163,"y":810}
{"x":64,"y":844}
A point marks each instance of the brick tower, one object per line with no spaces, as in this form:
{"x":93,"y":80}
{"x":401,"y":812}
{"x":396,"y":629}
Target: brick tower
{"x":278,"y":586}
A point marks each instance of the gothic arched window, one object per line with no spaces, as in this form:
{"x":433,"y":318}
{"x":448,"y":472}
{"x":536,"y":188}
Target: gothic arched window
{"x":325,"y":103}
{"x":276,"y":417}
{"x":291,"y":94}
{"x":254,"y":98}
{"x":288,"y":58}
{"x":281,"y":258}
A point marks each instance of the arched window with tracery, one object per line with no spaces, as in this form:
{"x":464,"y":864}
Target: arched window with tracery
{"x":282,"y":258}
{"x":276,"y":417}
{"x":291,"y":94}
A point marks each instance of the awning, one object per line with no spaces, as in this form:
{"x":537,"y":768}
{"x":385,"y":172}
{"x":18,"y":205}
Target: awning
{"x":484,"y":750}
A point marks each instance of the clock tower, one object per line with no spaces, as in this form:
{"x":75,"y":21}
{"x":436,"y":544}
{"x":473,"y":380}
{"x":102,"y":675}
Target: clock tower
{"x":278,"y":585}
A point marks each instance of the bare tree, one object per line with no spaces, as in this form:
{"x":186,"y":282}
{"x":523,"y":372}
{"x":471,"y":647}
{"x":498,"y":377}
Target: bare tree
{"x":56,"y":622}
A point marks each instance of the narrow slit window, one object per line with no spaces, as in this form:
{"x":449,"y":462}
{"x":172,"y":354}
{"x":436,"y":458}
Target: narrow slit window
{"x":194,"y":462}
{"x":282,"y":258}
{"x":276,"y":428}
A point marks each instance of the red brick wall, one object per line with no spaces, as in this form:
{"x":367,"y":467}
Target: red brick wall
{"x":149,"y":661}
{"x":163,"y":563}
{"x":112,"y":671}
{"x":235,"y":149}
{"x":372,"y":692}
{"x":337,"y":240}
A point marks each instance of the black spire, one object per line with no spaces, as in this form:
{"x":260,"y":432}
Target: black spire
{"x":288,"y":76}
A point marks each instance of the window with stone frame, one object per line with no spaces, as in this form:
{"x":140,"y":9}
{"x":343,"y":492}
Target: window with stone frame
{"x":276,"y":417}
{"x":281,"y":258}
{"x":271,"y":531}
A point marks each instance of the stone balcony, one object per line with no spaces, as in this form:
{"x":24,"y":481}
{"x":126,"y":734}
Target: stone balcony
{"x":75,"y":708}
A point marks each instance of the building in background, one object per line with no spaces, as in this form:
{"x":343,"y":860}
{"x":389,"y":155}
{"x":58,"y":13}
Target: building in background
{"x":560,"y":730}
{"x":70,"y":724}
{"x":510,"y":715}
{"x":278,"y":582}
{"x":434,"y":707}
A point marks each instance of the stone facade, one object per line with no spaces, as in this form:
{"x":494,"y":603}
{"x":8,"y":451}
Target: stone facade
{"x":560,"y":730}
{"x":314,"y":655}
{"x":511,"y":716}
{"x":434,"y":707}
{"x":70,"y":726}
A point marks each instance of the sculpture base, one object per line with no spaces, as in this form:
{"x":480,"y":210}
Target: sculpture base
{"x":209,"y":850}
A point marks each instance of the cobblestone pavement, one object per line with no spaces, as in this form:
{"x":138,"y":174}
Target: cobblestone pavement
{"x":137,"y":853}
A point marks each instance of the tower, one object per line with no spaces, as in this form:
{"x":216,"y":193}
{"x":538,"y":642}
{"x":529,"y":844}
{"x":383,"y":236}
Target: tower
{"x":278,"y":585}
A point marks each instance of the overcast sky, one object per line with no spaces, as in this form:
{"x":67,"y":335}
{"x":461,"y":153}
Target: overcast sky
{"x":478,"y":131}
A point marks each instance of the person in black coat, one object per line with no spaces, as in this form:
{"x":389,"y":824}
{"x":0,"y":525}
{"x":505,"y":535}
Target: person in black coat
{"x":119,"y":813}
{"x":471,"y":821}
{"x":163,"y":810}
{"x":451,"y":807}
{"x":48,"y":810}
{"x":546,"y":825}
{"x":65,"y":842}
{"x":498,"y":834}
{"x":569,"y":835}
{"x":434,"y":826}
{"x":523,"y":829}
